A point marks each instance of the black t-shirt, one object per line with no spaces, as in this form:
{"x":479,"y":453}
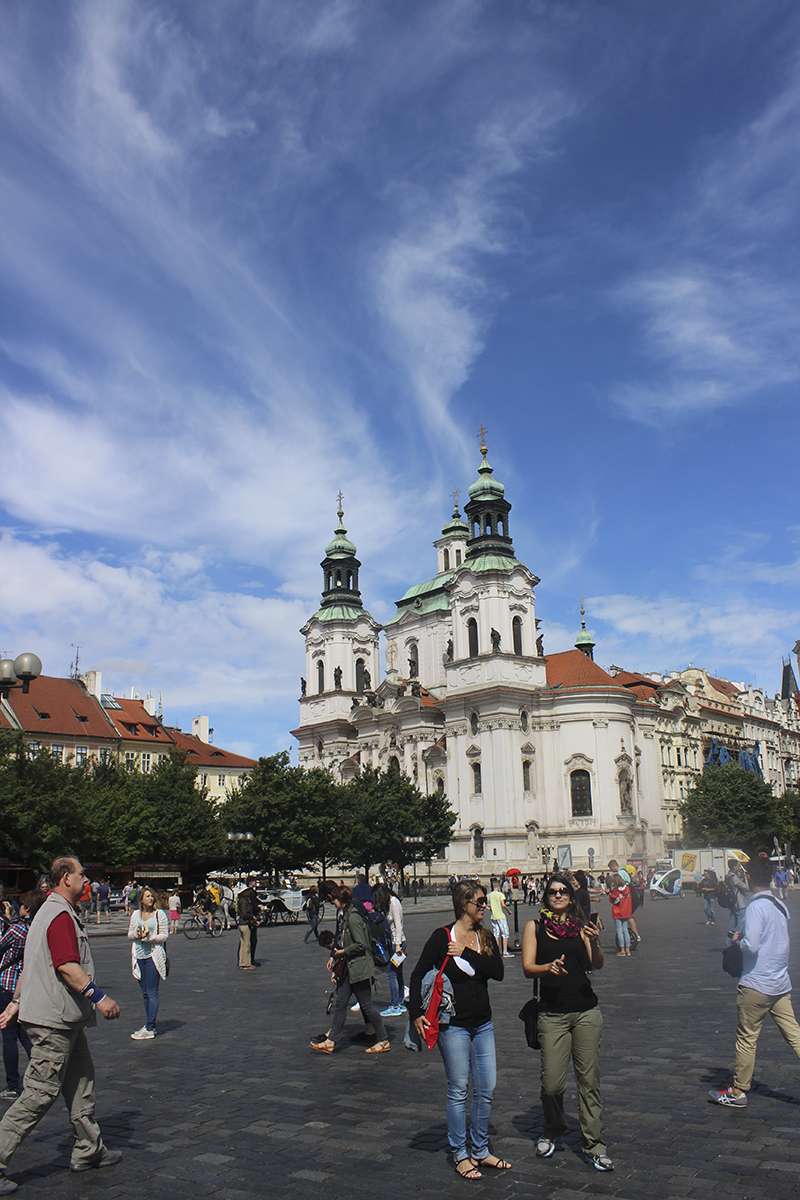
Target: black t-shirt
{"x":563,"y":993}
{"x":470,"y":992}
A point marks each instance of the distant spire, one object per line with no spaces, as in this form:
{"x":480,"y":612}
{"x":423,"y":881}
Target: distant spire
{"x":584,"y":641}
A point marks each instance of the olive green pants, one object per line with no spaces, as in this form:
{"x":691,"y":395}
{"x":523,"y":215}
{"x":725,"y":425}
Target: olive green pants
{"x":753,"y":1007}
{"x":576,"y":1036}
{"x":60,"y":1062}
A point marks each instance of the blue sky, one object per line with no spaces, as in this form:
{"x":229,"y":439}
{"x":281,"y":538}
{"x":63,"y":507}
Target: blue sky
{"x":251,"y":253}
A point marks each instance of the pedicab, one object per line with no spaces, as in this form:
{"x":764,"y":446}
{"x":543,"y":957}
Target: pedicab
{"x":667,"y":886}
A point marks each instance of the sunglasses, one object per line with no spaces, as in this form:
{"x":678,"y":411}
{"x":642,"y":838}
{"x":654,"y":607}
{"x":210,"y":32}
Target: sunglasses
{"x":557,"y":892}
{"x":479,"y":903}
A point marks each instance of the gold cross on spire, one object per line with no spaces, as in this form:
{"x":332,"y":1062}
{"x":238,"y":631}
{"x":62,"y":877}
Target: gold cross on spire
{"x":456,"y":494}
{"x":340,"y":498}
{"x":482,"y":435}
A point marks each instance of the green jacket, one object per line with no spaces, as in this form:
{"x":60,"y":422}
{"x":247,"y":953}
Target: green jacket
{"x":357,"y":949}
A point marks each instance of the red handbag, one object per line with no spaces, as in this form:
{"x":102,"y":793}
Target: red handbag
{"x":431,"y":1035}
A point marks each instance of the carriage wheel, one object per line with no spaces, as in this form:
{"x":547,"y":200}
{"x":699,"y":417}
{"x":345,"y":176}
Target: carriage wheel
{"x":286,"y":916}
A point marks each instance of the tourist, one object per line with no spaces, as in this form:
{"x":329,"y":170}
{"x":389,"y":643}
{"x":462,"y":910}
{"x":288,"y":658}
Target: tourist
{"x":148,"y":931}
{"x":12,"y":950}
{"x":471,"y":957}
{"x":174,"y":906}
{"x":353,"y":959}
{"x":620,"y":897}
{"x":555,"y":951}
{"x":384,"y":901}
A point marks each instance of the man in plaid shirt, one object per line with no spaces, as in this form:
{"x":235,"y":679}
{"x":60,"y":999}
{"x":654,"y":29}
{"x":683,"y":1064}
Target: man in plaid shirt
{"x":12,"y":948}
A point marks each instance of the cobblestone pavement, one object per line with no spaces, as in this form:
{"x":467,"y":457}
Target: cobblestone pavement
{"x":229,"y":1101}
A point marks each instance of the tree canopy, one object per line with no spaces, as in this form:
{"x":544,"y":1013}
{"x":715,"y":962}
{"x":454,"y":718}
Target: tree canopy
{"x":727,"y":806}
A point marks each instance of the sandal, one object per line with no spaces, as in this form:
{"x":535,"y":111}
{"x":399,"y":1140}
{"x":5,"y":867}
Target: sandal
{"x":378,"y":1048}
{"x":499,"y":1164}
{"x":325,"y":1046}
{"x":470,"y":1170}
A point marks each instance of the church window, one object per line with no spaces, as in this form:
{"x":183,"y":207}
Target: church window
{"x":394,"y":764}
{"x":477,"y":787}
{"x":338,"y":578}
{"x":477,"y":843}
{"x":413,"y":660}
{"x":359,"y":675}
{"x":327,"y":581}
{"x":523,"y":721}
{"x":472,"y":633}
{"x":440,"y":786}
{"x":350,"y":581}
{"x":446,"y":559}
{"x":488,"y":525}
{"x":526,"y":776}
{"x":319,"y":749}
{"x":581,"y":790}
{"x":474,"y":724}
{"x":501,"y":526}
{"x":320,"y":677}
{"x":458,"y":558}
{"x":516,"y":627}
{"x":476,"y":529}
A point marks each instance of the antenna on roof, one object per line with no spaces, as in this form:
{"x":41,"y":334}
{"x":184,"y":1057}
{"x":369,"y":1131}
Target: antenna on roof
{"x":160,"y":708}
{"x":74,"y":667}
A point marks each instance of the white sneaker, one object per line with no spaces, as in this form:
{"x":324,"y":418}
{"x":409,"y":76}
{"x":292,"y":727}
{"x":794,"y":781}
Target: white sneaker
{"x":355,"y":1007}
{"x":143,"y":1035}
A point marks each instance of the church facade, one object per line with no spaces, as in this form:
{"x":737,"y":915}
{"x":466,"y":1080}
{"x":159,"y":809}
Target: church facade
{"x":539,"y":755}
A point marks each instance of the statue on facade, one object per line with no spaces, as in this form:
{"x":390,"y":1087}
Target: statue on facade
{"x":413,"y":667}
{"x":626,"y":793}
{"x":302,"y":686}
{"x":367,"y":680}
{"x":540,"y":645}
{"x":391,"y":655}
{"x":337,"y":679}
{"x":449,"y":649}
{"x":495,"y":636}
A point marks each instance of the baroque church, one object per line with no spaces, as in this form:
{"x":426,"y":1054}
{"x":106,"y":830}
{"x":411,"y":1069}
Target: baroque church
{"x":541,"y":756}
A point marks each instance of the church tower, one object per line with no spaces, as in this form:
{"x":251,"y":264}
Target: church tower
{"x":342,"y":658}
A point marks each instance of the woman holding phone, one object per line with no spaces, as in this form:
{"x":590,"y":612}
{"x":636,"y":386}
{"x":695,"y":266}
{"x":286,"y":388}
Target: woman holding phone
{"x":557,"y":950}
{"x":471,"y":957}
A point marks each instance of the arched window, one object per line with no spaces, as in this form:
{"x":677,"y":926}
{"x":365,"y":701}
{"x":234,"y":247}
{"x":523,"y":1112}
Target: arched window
{"x":476,"y":529}
{"x":394,"y":764}
{"x":349,"y":580}
{"x":474,"y":724}
{"x":501,"y":526}
{"x":413,"y":661}
{"x":488,"y":525}
{"x":320,"y":677}
{"x":338,"y":578}
{"x":319,"y":749}
{"x":440,"y":785}
{"x":526,"y":776}
{"x":581,"y":791}
{"x":523,"y":721}
{"x":458,"y":558}
{"x":472,"y":633}
{"x":327,"y":581}
{"x":446,"y":559}
{"x":476,"y":779}
{"x":477,"y":843}
{"x":516,"y":628}
{"x":359,"y":675}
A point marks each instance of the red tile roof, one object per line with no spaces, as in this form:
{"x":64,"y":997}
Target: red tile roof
{"x":722,"y":685}
{"x":204,"y":755}
{"x":135,"y":724}
{"x":61,"y":708}
{"x":573,"y":668}
{"x":628,"y":678}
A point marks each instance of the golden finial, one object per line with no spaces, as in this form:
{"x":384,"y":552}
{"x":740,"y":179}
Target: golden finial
{"x":482,"y":435}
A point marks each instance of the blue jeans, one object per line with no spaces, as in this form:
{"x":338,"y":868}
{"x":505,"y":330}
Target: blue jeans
{"x":149,"y":984}
{"x":11,"y":1033}
{"x":312,"y":928}
{"x":623,"y":933}
{"x":396,"y":987}
{"x":710,"y":905}
{"x":736,"y":923}
{"x":465,"y":1049}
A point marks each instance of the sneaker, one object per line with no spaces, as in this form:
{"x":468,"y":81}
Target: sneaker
{"x":9,"y":1094}
{"x":544,"y":1147}
{"x":600,"y":1162}
{"x":143,"y":1035}
{"x":394,"y":1011}
{"x":106,"y":1158}
{"x":726,"y":1096}
{"x":355,"y":1007}
{"x":508,"y":956}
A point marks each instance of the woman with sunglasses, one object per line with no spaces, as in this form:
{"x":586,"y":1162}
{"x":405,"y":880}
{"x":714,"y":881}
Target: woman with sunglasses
{"x":471,"y":957}
{"x":557,"y":950}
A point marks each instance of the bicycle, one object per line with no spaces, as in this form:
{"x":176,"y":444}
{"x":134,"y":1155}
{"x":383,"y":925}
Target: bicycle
{"x":201,"y":922}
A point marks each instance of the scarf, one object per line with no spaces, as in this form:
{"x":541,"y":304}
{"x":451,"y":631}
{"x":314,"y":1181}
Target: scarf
{"x":560,"y":927}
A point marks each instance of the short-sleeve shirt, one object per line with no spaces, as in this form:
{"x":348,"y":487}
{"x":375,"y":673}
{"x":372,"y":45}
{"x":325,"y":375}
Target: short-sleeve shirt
{"x":62,"y":940}
{"x":496,"y":905}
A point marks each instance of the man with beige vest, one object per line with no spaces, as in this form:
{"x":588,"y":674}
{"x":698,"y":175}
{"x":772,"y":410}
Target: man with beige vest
{"x":56,"y":999}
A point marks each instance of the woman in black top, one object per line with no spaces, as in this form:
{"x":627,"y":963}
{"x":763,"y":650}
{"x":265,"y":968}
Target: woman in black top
{"x":556,"y":950}
{"x":467,"y":1043}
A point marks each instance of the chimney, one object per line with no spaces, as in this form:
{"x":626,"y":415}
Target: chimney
{"x":200,"y":728}
{"x":149,"y":705}
{"x":93,"y":682}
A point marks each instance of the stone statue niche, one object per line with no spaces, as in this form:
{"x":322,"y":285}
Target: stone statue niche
{"x":337,"y":679}
{"x":625,"y":792}
{"x":495,"y":636}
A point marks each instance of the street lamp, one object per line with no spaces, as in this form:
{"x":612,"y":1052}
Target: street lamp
{"x":417,"y":841}
{"x":18,"y":672}
{"x":239,"y":838}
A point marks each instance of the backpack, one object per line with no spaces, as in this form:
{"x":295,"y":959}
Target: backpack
{"x":726,"y":897}
{"x":381,"y":941}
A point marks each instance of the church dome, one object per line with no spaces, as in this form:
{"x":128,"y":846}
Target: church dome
{"x":486,"y":488}
{"x":341,"y":546}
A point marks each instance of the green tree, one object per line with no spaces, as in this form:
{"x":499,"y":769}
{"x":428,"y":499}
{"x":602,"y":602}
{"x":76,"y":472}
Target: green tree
{"x":386,"y":808}
{"x":44,"y":803}
{"x":727,"y":806}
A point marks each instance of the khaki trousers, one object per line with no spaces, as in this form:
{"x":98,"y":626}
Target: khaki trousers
{"x":60,"y":1062}
{"x":753,"y":1007}
{"x":244,"y":946}
{"x":577,"y":1036}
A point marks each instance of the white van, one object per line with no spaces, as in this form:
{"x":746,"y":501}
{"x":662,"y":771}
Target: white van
{"x":694,"y":862}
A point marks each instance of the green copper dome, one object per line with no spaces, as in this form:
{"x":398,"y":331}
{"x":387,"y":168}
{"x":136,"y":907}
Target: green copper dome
{"x":341,"y":546}
{"x":486,"y":488}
